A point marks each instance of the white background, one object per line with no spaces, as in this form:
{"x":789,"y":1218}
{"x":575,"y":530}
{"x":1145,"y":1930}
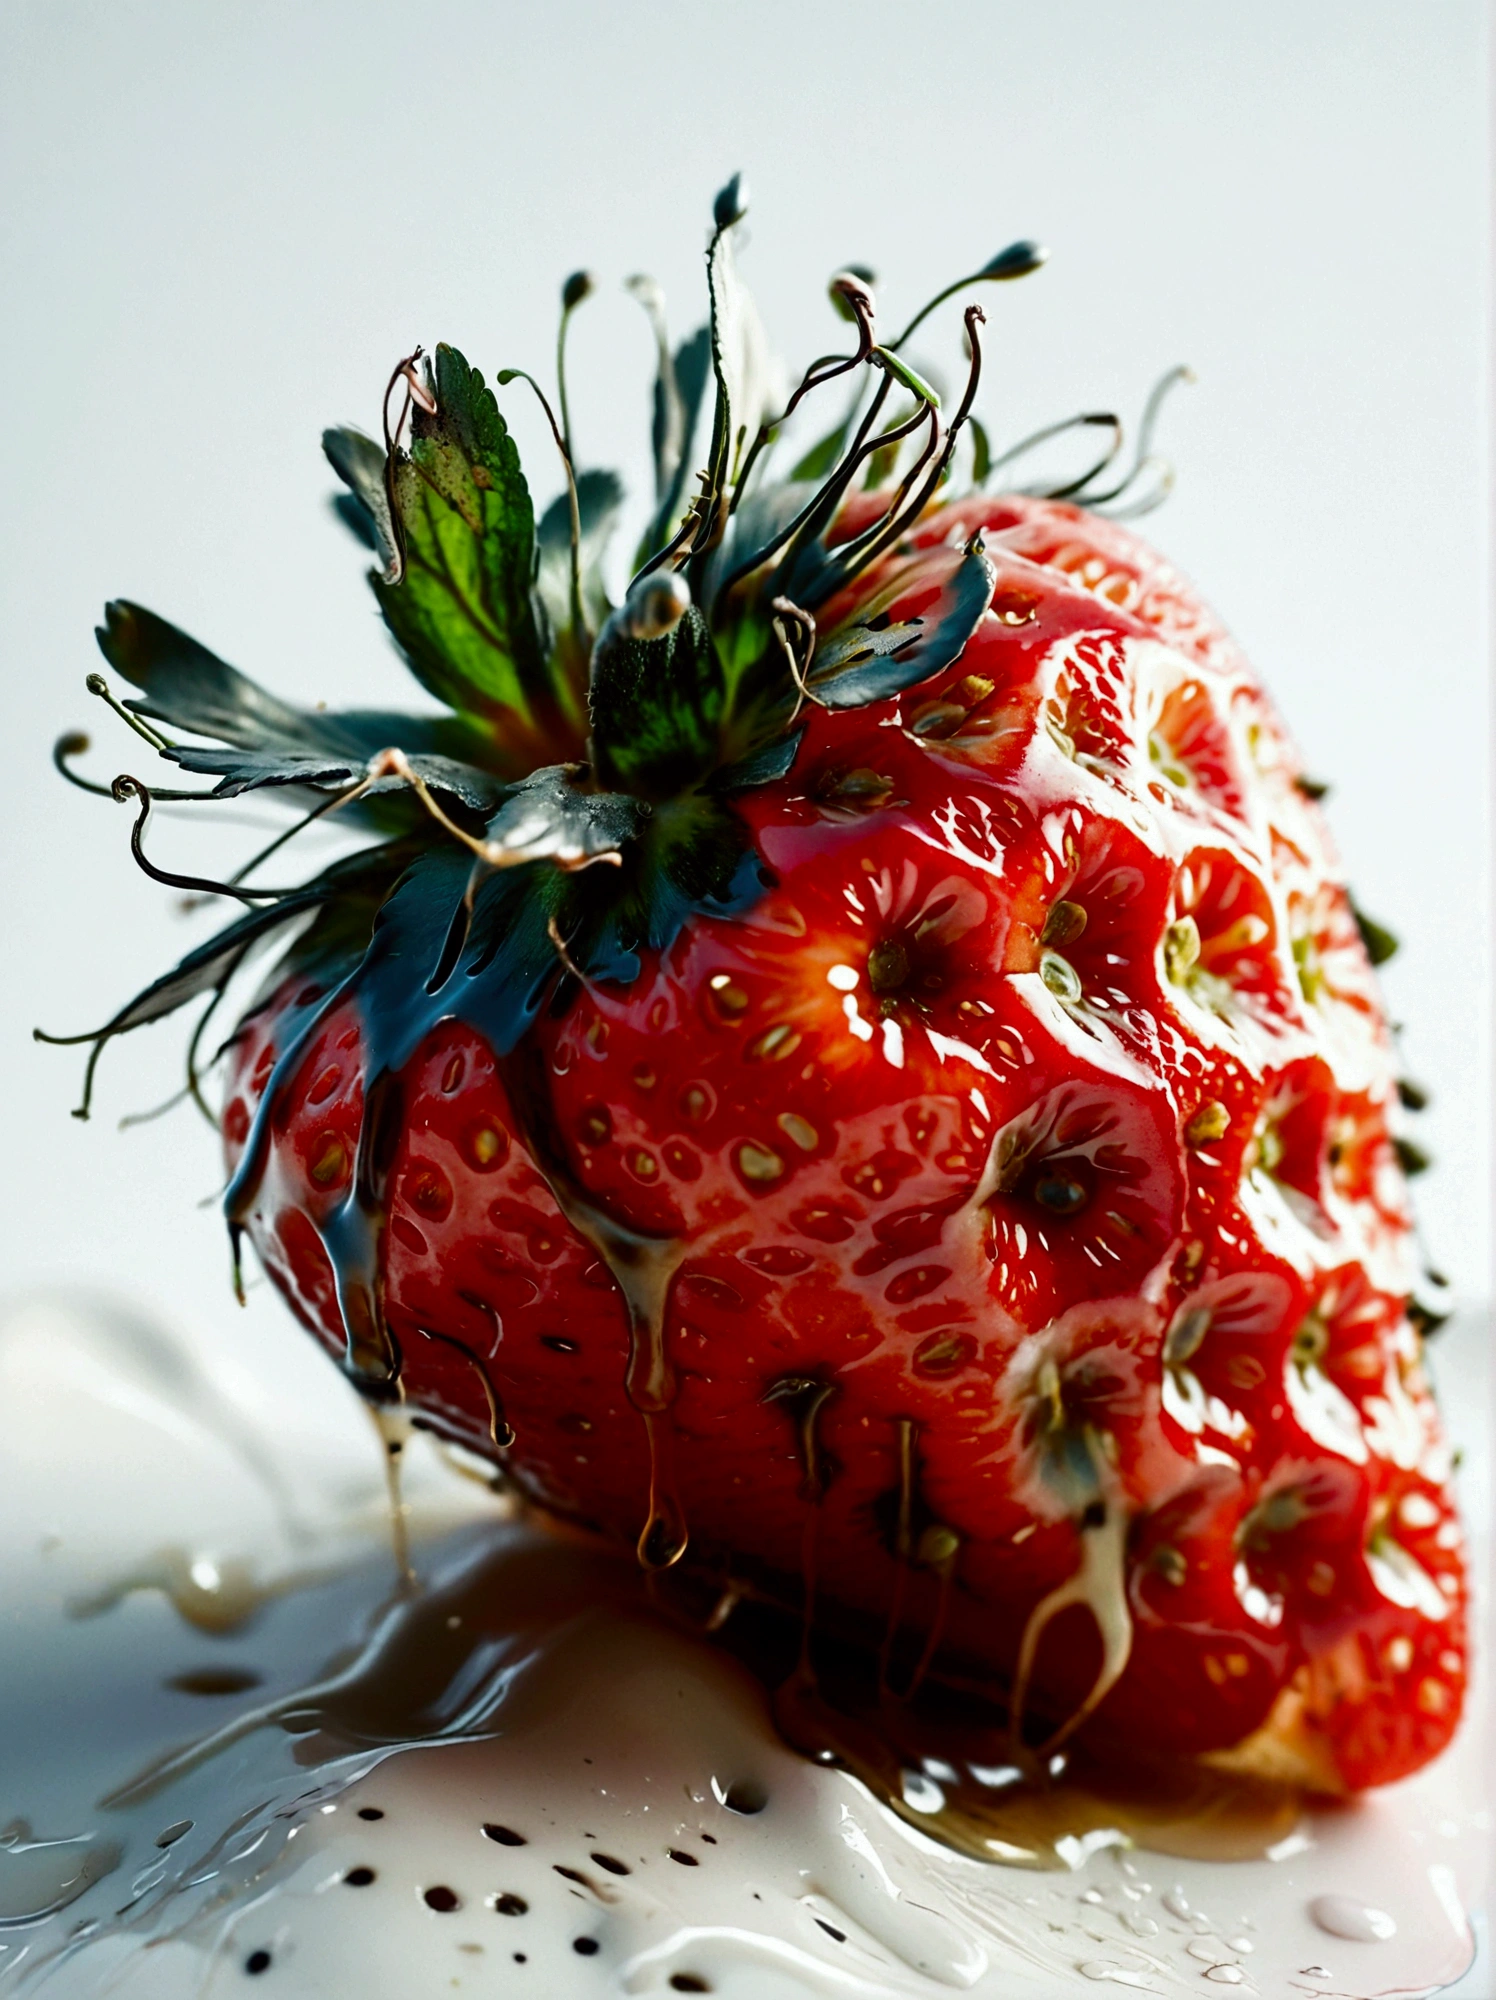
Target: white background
{"x":222,"y":223}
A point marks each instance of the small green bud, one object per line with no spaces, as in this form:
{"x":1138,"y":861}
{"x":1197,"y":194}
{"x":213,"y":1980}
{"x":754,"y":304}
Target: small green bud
{"x":580,"y":285}
{"x":731,"y":204}
{"x":1016,"y":261}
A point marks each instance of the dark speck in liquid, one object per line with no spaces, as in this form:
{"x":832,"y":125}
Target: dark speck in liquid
{"x":214,"y":1681}
{"x":711,"y":1841}
{"x":442,"y":1898}
{"x":831,"y":1930}
{"x":258,"y":1961}
{"x":688,"y":1982}
{"x":686,"y":1860}
{"x":520,"y":1957}
{"x":745,"y":1798}
{"x":370,"y":1812}
{"x":612,"y":1864}
{"x":509,"y":1905}
{"x":359,"y":1878}
{"x":586,"y":1946}
{"x":504,"y":1835}
{"x":170,"y":1835}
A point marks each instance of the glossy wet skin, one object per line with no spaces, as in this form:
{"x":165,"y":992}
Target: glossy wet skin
{"x":1007,"y":1199}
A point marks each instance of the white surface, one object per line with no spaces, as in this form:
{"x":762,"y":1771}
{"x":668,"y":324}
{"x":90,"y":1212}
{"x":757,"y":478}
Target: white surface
{"x":221,"y":224}
{"x":586,"y":1726}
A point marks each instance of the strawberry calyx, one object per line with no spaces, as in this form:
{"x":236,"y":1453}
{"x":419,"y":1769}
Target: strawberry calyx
{"x":579,"y":733}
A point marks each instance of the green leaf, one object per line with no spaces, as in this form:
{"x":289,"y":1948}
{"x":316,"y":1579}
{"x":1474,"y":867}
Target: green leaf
{"x":190,"y":688}
{"x":347,"y":885}
{"x":1379,"y":941}
{"x":912,"y":380}
{"x":546,"y":818}
{"x":360,"y":463}
{"x":691,"y":369}
{"x":873,"y":657}
{"x":740,"y":357}
{"x":764,"y":766}
{"x":599,"y":502}
{"x":463,"y":616}
{"x":658,"y":707}
{"x":824,"y":454}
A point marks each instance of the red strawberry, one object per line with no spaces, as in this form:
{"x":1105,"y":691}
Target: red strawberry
{"x":920,"y":1081}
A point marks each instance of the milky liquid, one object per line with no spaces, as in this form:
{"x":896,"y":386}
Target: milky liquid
{"x":240,"y":1750}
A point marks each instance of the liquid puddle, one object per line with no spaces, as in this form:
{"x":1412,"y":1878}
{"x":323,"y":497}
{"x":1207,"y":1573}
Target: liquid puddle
{"x":597,"y":1731}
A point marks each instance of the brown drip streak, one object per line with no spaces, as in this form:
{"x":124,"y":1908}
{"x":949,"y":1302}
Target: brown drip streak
{"x":807,"y":1396}
{"x":644,"y":1268}
{"x":1026,"y":1817}
{"x":500,"y":1431}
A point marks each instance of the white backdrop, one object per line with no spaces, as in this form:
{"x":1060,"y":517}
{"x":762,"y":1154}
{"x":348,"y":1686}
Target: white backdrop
{"x":222,"y":223}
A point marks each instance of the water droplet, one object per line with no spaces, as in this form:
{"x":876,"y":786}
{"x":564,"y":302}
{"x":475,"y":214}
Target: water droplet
{"x":1346,"y":1917}
{"x":1114,"y":1975}
{"x":1176,"y":1902}
{"x":663,"y":1539}
{"x":1225,"y":1975}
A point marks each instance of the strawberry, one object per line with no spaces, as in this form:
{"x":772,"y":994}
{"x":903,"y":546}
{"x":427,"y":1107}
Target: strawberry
{"x":857,"y":1063}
